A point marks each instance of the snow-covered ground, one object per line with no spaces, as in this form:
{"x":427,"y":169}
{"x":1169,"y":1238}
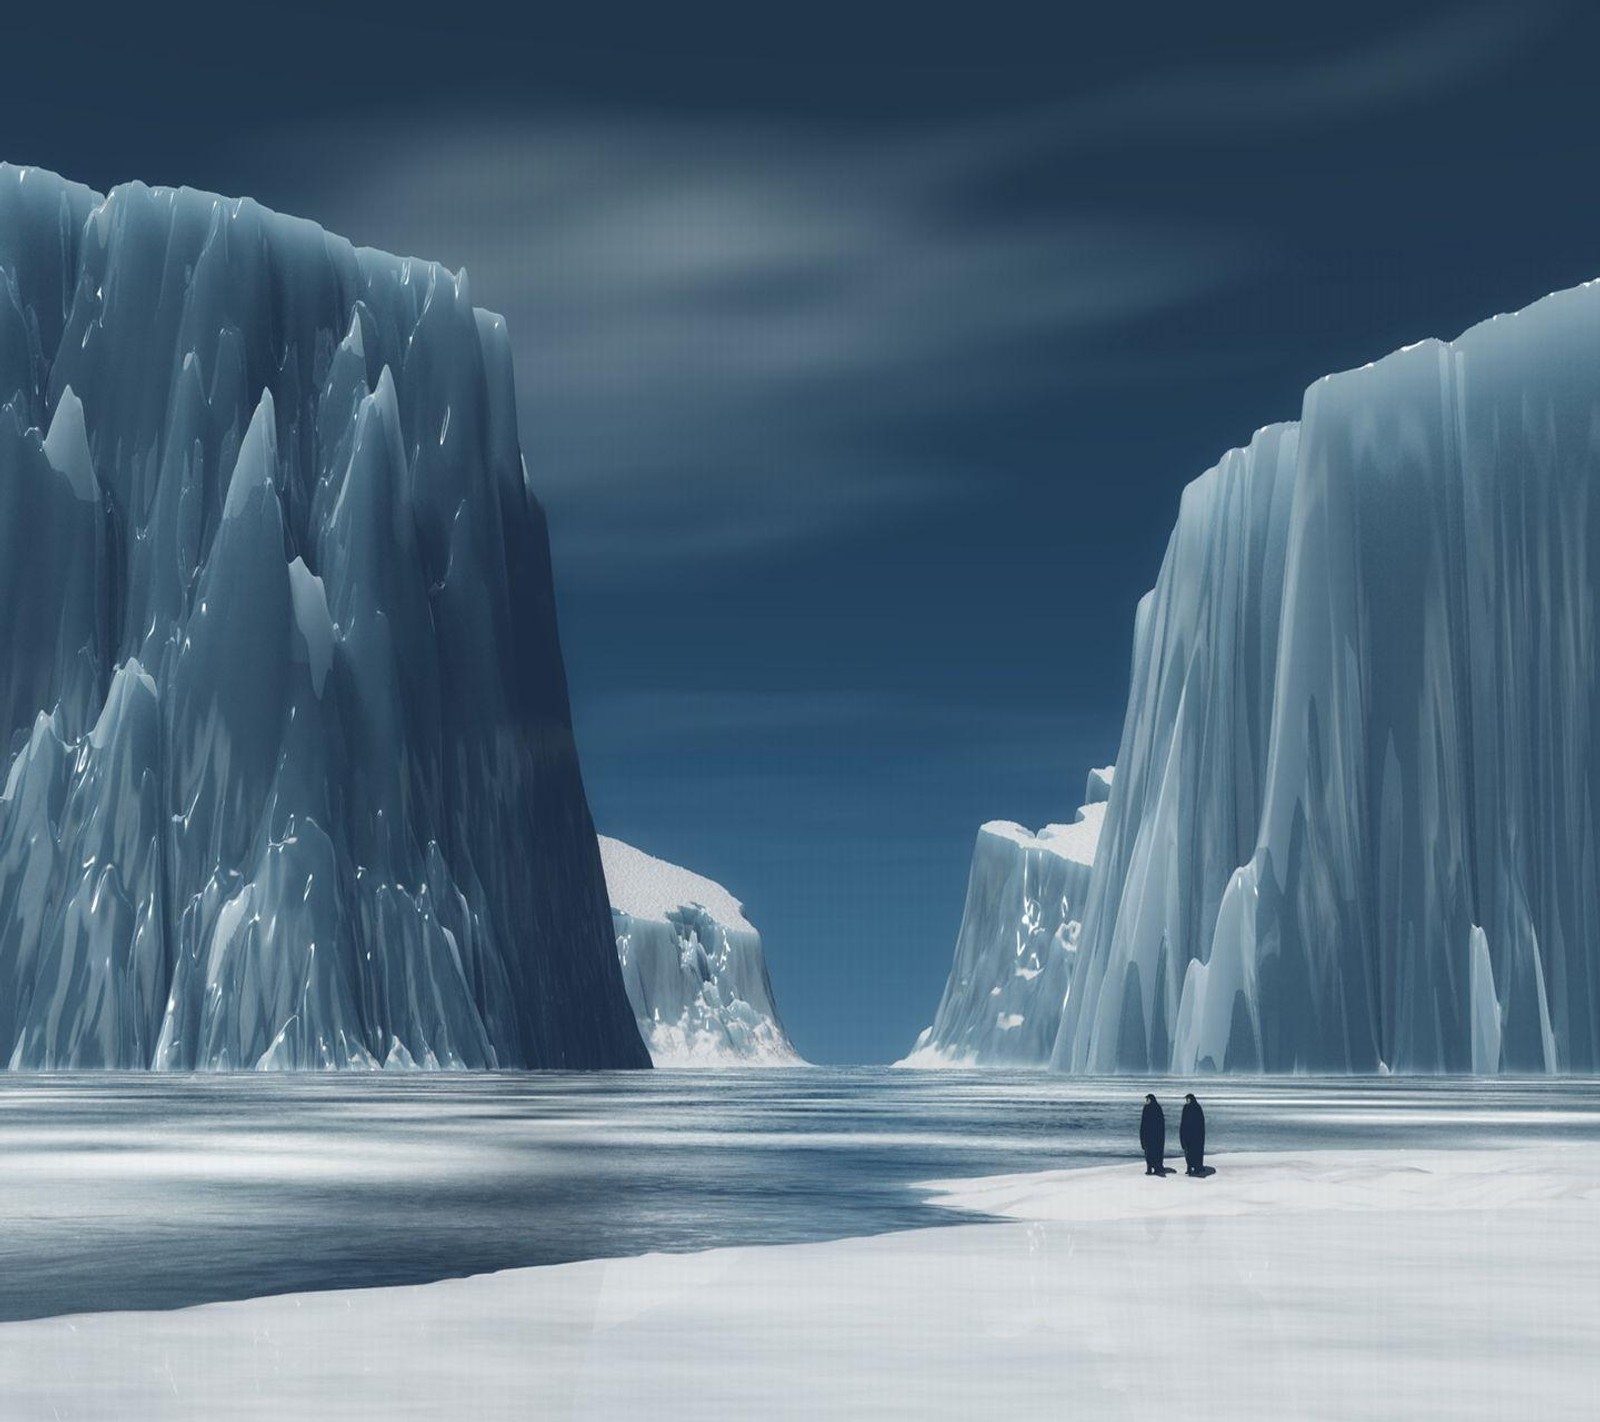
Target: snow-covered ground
{"x":1337,"y":1284}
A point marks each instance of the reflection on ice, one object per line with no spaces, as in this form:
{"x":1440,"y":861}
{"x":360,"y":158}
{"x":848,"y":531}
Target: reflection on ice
{"x":1306,"y":1284}
{"x":150,"y":1192}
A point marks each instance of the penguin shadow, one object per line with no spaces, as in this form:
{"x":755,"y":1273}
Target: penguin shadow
{"x":1162,"y":1170}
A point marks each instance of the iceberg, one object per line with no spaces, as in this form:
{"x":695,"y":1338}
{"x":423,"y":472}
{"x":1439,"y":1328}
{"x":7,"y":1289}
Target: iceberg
{"x":693,"y":966}
{"x":1026,"y":896}
{"x":1354,"y":824}
{"x":291,"y":776}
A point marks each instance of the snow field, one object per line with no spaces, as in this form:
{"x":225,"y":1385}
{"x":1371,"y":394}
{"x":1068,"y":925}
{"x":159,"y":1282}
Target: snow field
{"x":1311,"y":1285}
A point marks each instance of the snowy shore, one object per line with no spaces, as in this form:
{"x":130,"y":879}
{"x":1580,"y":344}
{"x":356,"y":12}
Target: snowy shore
{"x":1338,"y":1284}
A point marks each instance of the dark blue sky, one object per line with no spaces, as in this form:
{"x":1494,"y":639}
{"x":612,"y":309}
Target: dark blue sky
{"x":864,"y":351}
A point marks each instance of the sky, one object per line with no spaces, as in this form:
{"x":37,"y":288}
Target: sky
{"x":863,"y":352}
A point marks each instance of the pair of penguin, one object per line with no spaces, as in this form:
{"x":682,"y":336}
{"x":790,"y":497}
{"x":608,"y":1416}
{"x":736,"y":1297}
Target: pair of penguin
{"x":1191,"y":1135}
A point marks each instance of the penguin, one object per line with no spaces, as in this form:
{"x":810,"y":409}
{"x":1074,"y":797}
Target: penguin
{"x":1192,"y":1135}
{"x":1153,"y":1135}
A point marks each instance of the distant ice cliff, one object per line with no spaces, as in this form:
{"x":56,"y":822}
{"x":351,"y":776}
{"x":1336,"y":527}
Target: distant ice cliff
{"x":1018,"y":940}
{"x":693,"y":966}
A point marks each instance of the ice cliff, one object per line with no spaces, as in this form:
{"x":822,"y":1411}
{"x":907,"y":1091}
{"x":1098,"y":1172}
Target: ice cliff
{"x":1355,"y":819}
{"x":1018,"y":941}
{"x":693,"y":966}
{"x":291,"y":775}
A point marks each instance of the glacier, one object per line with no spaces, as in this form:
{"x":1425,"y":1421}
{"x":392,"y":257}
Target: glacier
{"x":1354,"y":823}
{"x":693,"y":965}
{"x":1017,"y":945}
{"x":291,"y":776}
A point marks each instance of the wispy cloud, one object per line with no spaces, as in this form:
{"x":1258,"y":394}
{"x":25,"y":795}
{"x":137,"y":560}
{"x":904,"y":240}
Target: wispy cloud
{"x":1407,"y":65}
{"x":730,"y":339}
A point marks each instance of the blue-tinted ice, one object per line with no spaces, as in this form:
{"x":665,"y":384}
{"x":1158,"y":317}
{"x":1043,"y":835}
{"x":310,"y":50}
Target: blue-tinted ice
{"x":159,"y":1191}
{"x":1356,"y":821}
{"x":291,"y":778}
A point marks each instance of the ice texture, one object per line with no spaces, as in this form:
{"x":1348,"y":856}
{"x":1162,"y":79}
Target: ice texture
{"x":1406,"y":1286}
{"x":1026,"y":895}
{"x":291,"y":773}
{"x":693,"y":965}
{"x":1354,"y":827}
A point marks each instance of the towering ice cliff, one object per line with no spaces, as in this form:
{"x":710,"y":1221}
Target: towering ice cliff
{"x":1193,"y":751}
{"x":291,"y":775}
{"x":693,"y":966}
{"x":1018,"y":941}
{"x":1355,"y":818}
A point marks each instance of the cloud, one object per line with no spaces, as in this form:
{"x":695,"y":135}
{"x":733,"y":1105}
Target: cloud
{"x":1272,"y":99}
{"x":731,"y":340}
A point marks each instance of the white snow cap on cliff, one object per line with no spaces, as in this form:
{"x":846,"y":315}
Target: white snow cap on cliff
{"x":647,"y":887}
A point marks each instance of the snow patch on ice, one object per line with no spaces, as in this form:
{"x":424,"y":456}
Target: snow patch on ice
{"x":1259,"y":1183}
{"x":66,"y":446}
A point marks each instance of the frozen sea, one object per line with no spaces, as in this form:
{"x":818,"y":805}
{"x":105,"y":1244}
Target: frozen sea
{"x":139,"y":1192}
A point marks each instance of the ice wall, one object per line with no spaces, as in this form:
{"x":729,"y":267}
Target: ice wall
{"x":1026,"y":895}
{"x":1354,"y":826}
{"x":292,"y":780}
{"x":1193,"y":753}
{"x":693,"y":965}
